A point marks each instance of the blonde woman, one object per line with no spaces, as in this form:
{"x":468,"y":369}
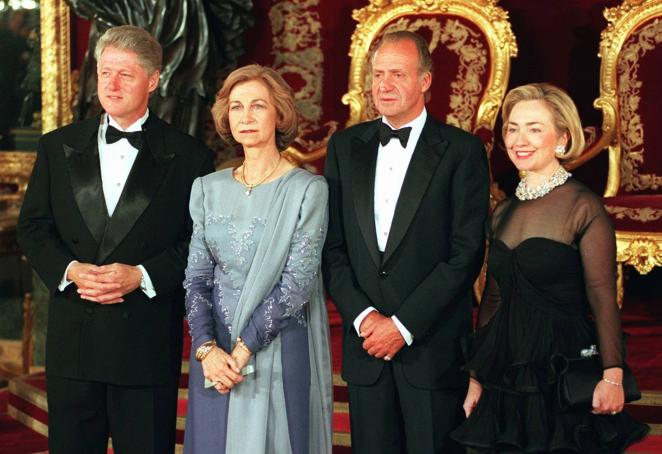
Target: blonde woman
{"x":550,"y":290}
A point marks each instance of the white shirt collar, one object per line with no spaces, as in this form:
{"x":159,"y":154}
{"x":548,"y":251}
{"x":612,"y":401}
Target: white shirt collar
{"x":135,"y":126}
{"x":416,"y":124}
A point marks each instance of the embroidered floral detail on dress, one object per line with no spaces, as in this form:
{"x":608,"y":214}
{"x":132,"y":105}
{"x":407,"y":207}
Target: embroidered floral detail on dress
{"x":243,"y":243}
{"x":303,"y":267}
{"x":199,"y":258}
{"x":223,"y":309}
{"x":193,"y":304}
{"x":268,"y":308}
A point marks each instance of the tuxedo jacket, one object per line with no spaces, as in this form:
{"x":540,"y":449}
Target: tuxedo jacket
{"x":64,"y":218}
{"x":433,"y":253}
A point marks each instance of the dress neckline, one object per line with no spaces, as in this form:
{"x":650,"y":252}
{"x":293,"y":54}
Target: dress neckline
{"x":239,"y":183}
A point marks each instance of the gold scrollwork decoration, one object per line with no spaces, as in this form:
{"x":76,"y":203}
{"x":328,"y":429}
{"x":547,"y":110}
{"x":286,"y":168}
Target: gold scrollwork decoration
{"x":56,"y":89}
{"x":643,"y":251}
{"x":16,"y":167}
{"x":631,"y":125}
{"x":622,"y":20}
{"x":485,"y":14}
{"x":296,"y":41}
{"x":644,"y":214}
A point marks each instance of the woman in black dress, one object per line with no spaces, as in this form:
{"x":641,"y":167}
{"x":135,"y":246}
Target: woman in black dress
{"x":551,"y":289}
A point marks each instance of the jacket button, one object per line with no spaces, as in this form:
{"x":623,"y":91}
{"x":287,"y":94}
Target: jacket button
{"x":383,"y":273}
{"x":74,"y":240}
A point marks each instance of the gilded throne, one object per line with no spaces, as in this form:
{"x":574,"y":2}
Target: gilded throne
{"x":630,"y":95}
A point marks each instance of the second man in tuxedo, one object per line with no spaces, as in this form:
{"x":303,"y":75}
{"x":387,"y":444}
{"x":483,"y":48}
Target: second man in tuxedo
{"x":105,"y":224}
{"x":408,"y":197}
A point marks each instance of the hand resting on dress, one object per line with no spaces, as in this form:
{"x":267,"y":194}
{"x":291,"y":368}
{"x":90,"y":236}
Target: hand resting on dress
{"x":222,"y":369}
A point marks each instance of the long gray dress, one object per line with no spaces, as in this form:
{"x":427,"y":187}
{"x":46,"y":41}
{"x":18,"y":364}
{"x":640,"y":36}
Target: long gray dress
{"x":254,"y":271}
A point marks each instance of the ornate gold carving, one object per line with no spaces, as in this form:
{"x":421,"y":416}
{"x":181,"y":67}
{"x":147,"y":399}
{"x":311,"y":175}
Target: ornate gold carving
{"x":641,"y":250}
{"x":631,"y":125}
{"x":16,"y":167}
{"x":645,"y":214}
{"x":56,"y":90}
{"x":485,"y":14}
{"x":620,"y":284}
{"x":296,"y":28}
{"x":623,"y":20}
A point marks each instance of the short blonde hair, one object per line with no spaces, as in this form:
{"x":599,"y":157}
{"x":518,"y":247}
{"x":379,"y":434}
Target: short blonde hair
{"x":134,"y":39}
{"x":281,"y":94}
{"x":564,"y":113}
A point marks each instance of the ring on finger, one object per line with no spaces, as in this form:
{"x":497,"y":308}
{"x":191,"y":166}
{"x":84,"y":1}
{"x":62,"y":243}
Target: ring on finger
{"x":387,"y":358}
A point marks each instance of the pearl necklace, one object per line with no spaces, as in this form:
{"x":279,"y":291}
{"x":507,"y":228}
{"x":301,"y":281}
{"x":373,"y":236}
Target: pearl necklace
{"x":526,"y":192}
{"x":251,"y":186}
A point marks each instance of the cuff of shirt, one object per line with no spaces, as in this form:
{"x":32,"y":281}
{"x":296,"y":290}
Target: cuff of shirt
{"x":146,"y":283}
{"x":406,"y":335}
{"x":64,"y":282}
{"x":358,"y":320}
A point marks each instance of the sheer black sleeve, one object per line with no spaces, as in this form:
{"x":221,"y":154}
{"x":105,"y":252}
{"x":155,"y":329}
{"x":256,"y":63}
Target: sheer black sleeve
{"x":597,"y":245}
{"x":491,"y":297}
{"x":489,"y":302}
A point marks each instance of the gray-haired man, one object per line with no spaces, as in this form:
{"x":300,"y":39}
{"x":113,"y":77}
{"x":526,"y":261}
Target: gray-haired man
{"x":105,"y":224}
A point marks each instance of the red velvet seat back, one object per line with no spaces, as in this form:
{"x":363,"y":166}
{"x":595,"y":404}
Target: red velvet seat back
{"x":639,"y":85}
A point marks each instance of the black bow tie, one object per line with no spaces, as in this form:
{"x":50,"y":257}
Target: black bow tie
{"x":386,"y":134}
{"x":135,"y":138}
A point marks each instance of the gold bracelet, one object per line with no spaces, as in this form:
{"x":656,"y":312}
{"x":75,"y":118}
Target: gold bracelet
{"x":611,"y":382}
{"x":241,"y":344}
{"x":203,"y":350}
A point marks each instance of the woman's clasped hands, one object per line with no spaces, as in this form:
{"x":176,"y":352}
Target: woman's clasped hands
{"x":223,"y":369}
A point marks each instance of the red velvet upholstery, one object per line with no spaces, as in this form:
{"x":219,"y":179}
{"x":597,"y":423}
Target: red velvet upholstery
{"x":637,"y":207}
{"x":636,"y":213}
{"x":639,"y":96}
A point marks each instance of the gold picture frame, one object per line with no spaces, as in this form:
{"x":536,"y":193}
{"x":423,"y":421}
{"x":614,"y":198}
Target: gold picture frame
{"x":56,"y":89}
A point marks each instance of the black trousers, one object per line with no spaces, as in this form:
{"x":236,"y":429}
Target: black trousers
{"x":393,"y":417}
{"x":82,"y":414}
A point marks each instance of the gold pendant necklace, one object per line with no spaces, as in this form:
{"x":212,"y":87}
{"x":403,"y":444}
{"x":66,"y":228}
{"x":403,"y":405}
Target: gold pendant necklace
{"x":249,"y":186}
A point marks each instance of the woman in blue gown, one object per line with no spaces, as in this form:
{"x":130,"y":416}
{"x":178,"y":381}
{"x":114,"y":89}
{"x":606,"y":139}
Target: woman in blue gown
{"x":261,"y":378}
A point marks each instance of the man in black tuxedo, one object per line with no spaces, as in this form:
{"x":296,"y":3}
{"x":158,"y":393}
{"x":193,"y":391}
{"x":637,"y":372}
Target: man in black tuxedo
{"x":105,"y":224}
{"x":405,"y":243}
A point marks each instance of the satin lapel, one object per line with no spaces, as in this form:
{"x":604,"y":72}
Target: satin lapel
{"x":147,"y":174}
{"x":363,"y":163}
{"x":423,"y":164}
{"x":82,"y":159}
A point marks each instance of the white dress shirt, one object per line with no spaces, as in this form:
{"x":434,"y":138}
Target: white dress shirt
{"x":392,"y":163}
{"x":115,"y":161}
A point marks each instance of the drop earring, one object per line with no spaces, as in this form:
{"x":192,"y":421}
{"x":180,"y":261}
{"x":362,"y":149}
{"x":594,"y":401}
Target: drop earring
{"x":559,"y":151}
